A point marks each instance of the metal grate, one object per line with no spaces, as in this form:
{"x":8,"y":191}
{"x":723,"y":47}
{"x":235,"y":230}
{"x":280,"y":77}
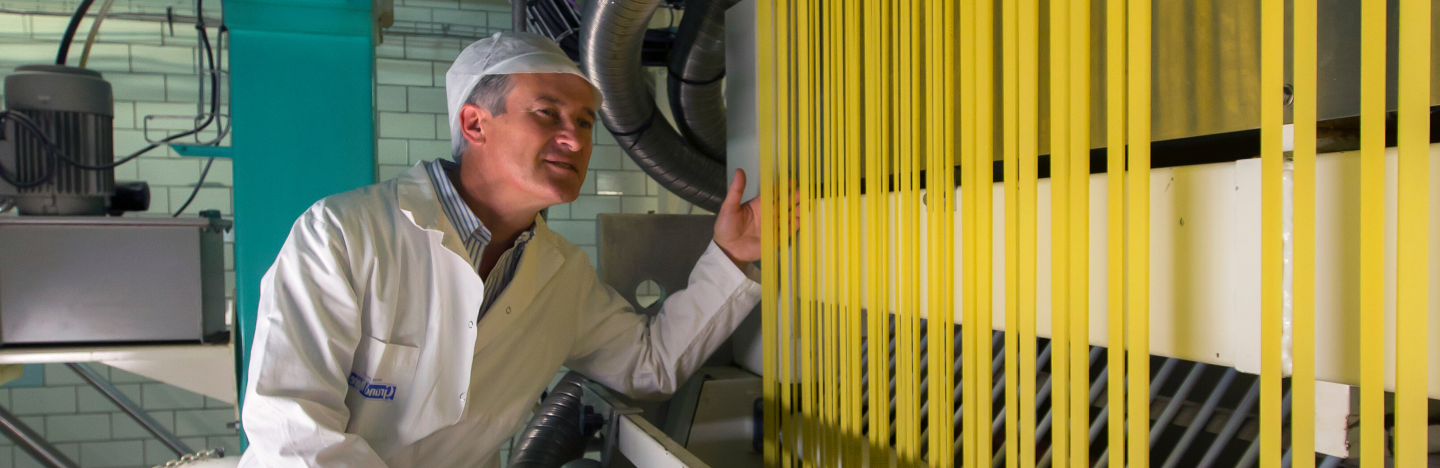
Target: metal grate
{"x":1206,"y":415}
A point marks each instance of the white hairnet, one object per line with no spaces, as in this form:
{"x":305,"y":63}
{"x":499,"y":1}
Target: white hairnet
{"x":504,"y":53}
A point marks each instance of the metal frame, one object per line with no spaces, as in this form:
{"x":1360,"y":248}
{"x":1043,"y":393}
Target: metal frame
{"x":129,"y":407}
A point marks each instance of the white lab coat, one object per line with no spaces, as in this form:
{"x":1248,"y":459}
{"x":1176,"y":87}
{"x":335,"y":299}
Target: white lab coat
{"x":372,"y":291}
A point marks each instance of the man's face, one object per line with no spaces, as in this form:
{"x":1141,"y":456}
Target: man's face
{"x":539,"y":149}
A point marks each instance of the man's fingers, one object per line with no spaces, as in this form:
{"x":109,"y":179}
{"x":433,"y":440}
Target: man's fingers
{"x":737,"y":188}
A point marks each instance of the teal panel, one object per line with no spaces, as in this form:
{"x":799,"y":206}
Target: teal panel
{"x":202,"y":151}
{"x":302,"y":103}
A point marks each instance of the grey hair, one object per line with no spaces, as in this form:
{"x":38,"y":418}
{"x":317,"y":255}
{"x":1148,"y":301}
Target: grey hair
{"x":490,"y":93}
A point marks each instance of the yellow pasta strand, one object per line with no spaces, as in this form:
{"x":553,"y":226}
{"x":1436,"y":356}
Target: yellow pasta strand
{"x":984,"y":182}
{"x":784,"y":12}
{"x":1372,"y":234}
{"x":1010,"y":108}
{"x":1138,"y":231}
{"x":1028,"y":12}
{"x":969,"y":207}
{"x":1115,"y":222}
{"x":1272,"y":57}
{"x":1302,"y":385}
{"x":1079,"y":236}
{"x":877,"y":243}
{"x":855,"y":250}
{"x":765,"y":68}
{"x":1060,"y":159}
{"x":1412,"y":280}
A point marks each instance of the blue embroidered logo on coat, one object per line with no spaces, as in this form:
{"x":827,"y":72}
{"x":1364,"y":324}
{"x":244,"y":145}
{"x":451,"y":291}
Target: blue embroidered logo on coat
{"x":371,"y":390}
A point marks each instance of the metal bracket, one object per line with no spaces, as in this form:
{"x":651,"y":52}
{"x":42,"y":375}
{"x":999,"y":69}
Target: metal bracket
{"x":612,"y":410}
{"x":200,"y":151}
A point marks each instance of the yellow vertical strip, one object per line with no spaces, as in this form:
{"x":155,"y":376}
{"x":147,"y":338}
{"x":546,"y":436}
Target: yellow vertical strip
{"x":945,"y":63}
{"x":909,"y":405}
{"x":1060,"y":159}
{"x":784,"y":151}
{"x":915,"y":135}
{"x":1138,"y":232}
{"x":877,"y":219}
{"x":1302,"y":386}
{"x":1115,"y":219}
{"x":1412,"y":307}
{"x":765,"y":71}
{"x":830,"y":133}
{"x":1010,"y":128}
{"x":968,"y":234}
{"x":854,"y":137}
{"x":1372,"y":234}
{"x":984,"y":233}
{"x":935,"y":202}
{"x":1079,"y":236}
{"x":808,"y":439}
{"x":857,"y":147}
{"x":1028,"y":12}
{"x":1272,"y":67}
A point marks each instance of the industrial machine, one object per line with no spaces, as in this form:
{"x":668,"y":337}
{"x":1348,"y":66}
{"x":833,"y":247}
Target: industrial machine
{"x":83,"y":276}
{"x":73,"y":268}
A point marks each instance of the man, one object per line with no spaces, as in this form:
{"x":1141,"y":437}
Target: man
{"x":413,"y":323}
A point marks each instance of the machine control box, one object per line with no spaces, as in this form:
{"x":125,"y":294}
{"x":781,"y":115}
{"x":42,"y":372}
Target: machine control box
{"x":111,"y":280}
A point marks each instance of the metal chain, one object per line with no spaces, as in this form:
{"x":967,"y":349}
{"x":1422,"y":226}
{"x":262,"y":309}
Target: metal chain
{"x":194,"y":457}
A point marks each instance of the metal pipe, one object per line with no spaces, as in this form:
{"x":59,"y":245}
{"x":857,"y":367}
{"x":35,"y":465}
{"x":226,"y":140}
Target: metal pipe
{"x":130,"y":408}
{"x":32,"y":443}
{"x":611,"y":39}
{"x":1253,"y":453}
{"x":1198,"y":424}
{"x":1155,"y":384}
{"x":519,"y":15}
{"x":1176,"y":401}
{"x":1231,"y":427}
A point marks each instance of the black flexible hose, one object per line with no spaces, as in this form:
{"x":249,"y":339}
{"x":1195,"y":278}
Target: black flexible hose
{"x":556,"y":435}
{"x":70,"y":31}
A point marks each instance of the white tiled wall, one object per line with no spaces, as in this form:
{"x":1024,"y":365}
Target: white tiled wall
{"x":93,"y":432}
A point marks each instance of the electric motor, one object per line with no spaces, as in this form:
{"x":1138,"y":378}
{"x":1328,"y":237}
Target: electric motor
{"x":74,"y":108}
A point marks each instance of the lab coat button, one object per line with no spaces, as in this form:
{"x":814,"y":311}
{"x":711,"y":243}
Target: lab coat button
{"x":471,"y":324}
{"x":462,"y":397}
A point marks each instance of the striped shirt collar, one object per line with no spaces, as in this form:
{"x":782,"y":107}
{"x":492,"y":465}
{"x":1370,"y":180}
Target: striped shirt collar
{"x":472,"y":231}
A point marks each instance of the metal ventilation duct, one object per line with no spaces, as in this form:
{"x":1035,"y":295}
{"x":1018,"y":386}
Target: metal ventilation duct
{"x":612,"y":34}
{"x":697,"y":70}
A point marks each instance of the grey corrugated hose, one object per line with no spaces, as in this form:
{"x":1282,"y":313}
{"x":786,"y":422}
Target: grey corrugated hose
{"x":556,"y":433}
{"x":610,"y":39}
{"x":697,"y":69}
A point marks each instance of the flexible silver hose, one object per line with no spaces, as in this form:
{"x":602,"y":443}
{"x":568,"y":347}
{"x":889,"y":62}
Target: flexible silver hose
{"x":611,"y":35}
{"x":697,"y":70}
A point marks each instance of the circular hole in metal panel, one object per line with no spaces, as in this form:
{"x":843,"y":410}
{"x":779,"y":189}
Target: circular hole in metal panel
{"x":648,"y":293}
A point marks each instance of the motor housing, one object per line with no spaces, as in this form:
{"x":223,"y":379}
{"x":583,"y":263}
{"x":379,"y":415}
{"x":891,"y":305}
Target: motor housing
{"x":75,"y":109}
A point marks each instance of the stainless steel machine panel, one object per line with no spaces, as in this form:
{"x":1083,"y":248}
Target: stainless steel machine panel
{"x":660,"y":248}
{"x":108,"y":280}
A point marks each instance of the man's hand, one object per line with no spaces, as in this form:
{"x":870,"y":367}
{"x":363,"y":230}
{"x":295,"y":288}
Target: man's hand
{"x":737,"y":228}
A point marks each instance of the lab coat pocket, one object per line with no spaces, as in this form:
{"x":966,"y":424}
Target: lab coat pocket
{"x":381,"y":386}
